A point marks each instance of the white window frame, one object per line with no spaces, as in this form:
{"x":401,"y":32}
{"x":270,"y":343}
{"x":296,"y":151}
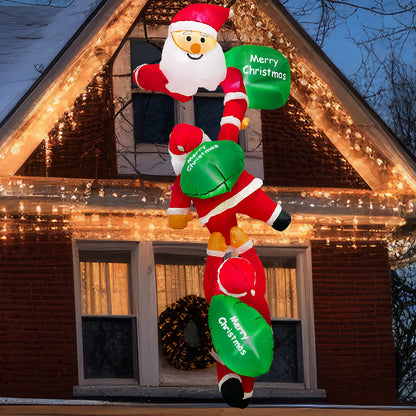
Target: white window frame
{"x":144,"y":306}
{"x":144,"y":309}
{"x":304,"y":288}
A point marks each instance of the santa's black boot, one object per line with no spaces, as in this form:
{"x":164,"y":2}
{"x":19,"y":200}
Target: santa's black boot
{"x":282,"y":221}
{"x":233,"y":393}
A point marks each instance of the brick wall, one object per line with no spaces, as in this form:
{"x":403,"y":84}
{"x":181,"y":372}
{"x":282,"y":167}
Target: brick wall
{"x":37,"y":317}
{"x":297,"y":154}
{"x":81,"y":144}
{"x":354,"y":341}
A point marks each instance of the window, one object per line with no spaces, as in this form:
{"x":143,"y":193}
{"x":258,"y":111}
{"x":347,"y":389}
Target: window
{"x":282,"y":298}
{"x":179,"y":272}
{"x":122,"y":287}
{"x":114,"y":310}
{"x":143,"y":120}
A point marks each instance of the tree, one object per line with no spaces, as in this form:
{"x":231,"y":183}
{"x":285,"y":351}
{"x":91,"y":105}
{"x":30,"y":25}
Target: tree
{"x":404,"y":330}
{"x":384,"y":32}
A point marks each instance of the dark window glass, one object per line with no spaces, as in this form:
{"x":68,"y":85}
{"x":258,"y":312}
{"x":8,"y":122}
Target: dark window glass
{"x":153,"y":118}
{"x":208,"y":113}
{"x":287,"y":359}
{"x":142,"y":52}
{"x":109,"y":347}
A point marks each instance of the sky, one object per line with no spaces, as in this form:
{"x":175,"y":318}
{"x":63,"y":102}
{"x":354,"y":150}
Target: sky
{"x":27,"y":28}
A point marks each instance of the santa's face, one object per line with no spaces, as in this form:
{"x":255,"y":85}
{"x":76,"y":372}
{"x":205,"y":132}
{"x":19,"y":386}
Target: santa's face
{"x":191,"y":60}
{"x":195,"y":44}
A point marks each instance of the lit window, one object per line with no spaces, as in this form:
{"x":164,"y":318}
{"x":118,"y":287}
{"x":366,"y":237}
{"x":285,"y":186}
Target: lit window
{"x":108,"y":327}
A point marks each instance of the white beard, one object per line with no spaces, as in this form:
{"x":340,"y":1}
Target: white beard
{"x":186,"y":75}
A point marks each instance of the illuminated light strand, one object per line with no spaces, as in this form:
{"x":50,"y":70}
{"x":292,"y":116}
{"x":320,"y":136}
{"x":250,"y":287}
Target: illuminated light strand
{"x":321,"y":103}
{"x":61,"y":95}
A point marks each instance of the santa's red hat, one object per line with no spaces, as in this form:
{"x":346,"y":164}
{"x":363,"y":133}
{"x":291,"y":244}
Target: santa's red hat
{"x":183,"y":139}
{"x":236,"y":277}
{"x":202,"y":17}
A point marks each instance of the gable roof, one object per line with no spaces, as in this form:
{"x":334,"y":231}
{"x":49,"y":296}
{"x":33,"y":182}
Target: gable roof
{"x":31,"y":36}
{"x":321,"y":89}
{"x":65,"y":77}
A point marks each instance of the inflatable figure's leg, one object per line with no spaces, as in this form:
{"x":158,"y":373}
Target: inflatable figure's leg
{"x":215,"y":255}
{"x":244,"y":247}
{"x":223,"y":223}
{"x":261,"y":207}
{"x":235,"y":389}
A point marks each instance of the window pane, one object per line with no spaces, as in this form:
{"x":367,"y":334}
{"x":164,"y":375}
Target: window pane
{"x":286,"y":366}
{"x":142,"y":52}
{"x":208,"y":114}
{"x":153,"y":118}
{"x":281,"y":293}
{"x":105,"y":288}
{"x":178,"y":276}
{"x":109,"y":347}
{"x":176,"y":281}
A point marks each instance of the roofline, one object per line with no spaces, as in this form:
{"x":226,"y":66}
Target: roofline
{"x":339,"y":74}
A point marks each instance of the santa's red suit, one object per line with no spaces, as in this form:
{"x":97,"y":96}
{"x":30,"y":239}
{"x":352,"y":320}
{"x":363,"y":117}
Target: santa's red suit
{"x":219,"y":213}
{"x":244,"y":278}
{"x":181,"y":72}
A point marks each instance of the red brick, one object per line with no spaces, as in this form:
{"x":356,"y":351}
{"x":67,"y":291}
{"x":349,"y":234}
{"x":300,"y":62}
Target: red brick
{"x":353,"y":324}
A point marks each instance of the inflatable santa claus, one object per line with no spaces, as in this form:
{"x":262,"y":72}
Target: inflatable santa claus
{"x":242,"y":278}
{"x":192,"y":58}
{"x":218,"y":193}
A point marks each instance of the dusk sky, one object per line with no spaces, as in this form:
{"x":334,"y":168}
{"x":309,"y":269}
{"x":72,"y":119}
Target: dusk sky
{"x":31,"y":36}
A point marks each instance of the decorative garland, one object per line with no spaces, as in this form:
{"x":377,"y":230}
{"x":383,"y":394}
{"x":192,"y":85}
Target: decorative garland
{"x":173,"y":321}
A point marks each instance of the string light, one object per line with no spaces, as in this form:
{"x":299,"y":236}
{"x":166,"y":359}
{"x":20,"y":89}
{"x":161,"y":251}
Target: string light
{"x":63,"y":92}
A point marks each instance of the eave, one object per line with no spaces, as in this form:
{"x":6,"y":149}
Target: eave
{"x":117,"y":208}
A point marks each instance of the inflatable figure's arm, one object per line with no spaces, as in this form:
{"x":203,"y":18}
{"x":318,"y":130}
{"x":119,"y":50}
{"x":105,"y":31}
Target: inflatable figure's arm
{"x":235,"y":105}
{"x":151,"y":78}
{"x":179,"y":213}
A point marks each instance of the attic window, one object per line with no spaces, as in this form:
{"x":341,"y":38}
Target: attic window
{"x":145,"y":119}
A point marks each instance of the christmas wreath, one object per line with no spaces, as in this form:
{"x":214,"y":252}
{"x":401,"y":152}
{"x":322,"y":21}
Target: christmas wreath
{"x":184,"y":334}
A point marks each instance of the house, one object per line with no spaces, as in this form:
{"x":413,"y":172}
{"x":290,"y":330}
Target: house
{"x":88,"y":262}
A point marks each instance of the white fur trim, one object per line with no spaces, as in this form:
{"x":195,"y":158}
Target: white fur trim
{"x":248,"y":395}
{"x":215,"y":253}
{"x":227,"y":377}
{"x":135,"y":76}
{"x":235,"y":96}
{"x":184,"y":25}
{"x":178,"y":157}
{"x":275,"y":214}
{"x":178,"y":211}
{"x":231,"y":120}
{"x":244,"y":247}
{"x":255,"y":184}
{"x":216,"y":357}
{"x":205,"y":138}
